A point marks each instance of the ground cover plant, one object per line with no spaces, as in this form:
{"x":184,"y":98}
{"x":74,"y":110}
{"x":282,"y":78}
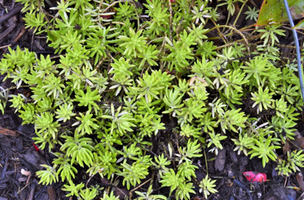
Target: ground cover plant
{"x":139,"y":93}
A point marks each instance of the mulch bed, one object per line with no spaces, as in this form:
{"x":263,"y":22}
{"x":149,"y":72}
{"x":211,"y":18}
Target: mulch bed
{"x":20,"y":159}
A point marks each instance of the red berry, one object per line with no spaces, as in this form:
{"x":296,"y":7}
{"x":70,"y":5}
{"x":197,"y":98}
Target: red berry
{"x":35,"y":146}
{"x":255,"y":177}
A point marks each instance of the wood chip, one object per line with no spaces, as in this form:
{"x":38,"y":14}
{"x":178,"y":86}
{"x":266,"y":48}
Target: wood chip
{"x":25,"y":173}
{"x":286,"y":148}
{"x":51,"y":192}
{"x":220,"y":160}
{"x":299,"y":178}
{"x":8,"y":132}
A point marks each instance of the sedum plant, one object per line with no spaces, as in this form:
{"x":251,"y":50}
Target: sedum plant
{"x":207,"y":186}
{"x":264,"y":149}
{"x":147,"y":195}
{"x":136,"y":91}
{"x":291,"y":164}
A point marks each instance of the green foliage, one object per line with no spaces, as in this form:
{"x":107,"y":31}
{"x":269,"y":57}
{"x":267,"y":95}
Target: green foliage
{"x":189,"y":131}
{"x":172,"y":180}
{"x":207,"y":186}
{"x":200,"y":14}
{"x":216,"y":141}
{"x":105,"y":162}
{"x":257,"y":70}
{"x":46,"y":125}
{"x":31,"y":5}
{"x":66,"y":170}
{"x":193,"y":109}
{"x":28,"y":113}
{"x":35,"y":20}
{"x":18,"y":101}
{"x":283,"y":126}
{"x":120,"y":120}
{"x":133,"y":45}
{"x":96,"y":46}
{"x":148,"y":55}
{"x":47,"y":176}
{"x":87,"y":123}
{"x":230,"y":5}
{"x":243,"y":143}
{"x":180,"y":54}
{"x":148,"y":195}
{"x":133,"y":173}
{"x":264,"y":148}
{"x":207,"y":122}
{"x":126,"y":81}
{"x":88,"y":194}
{"x":74,"y":190}
{"x":173,"y":100}
{"x":150,"y":86}
{"x":88,"y":99}
{"x":262,"y":99}
{"x":124,"y":11}
{"x":283,"y":168}
{"x":183,"y":192}
{"x":206,"y":50}
{"x":294,"y":161}
{"x":187,"y":170}
{"x":149,"y":124}
{"x":65,"y":112}
{"x":111,"y":197}
{"x":192,"y":150}
{"x":79,"y":149}
{"x":269,"y":34}
{"x":161,"y":164}
{"x":53,"y":85}
{"x":160,"y":17}
{"x":231,"y":119}
{"x":252,"y":14}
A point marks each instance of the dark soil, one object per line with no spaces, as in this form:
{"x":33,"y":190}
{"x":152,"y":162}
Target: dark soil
{"x":19,"y":159}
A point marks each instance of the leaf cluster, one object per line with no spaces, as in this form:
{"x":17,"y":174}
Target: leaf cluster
{"x":120,"y":80}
